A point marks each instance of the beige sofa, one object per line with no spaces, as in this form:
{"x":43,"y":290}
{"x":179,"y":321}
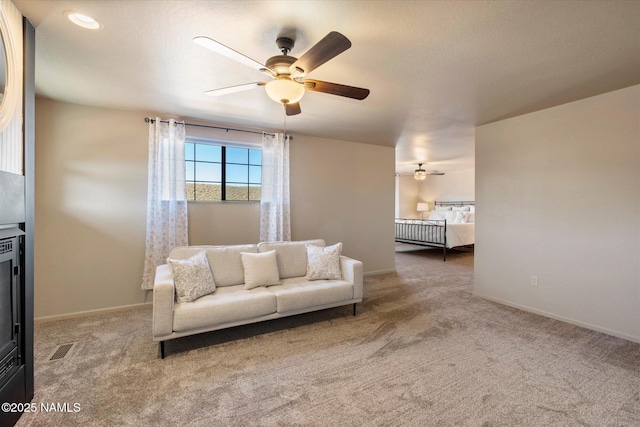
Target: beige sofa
{"x":233,"y":305}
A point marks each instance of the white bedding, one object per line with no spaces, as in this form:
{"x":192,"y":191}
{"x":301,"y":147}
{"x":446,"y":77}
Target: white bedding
{"x":460,"y":234}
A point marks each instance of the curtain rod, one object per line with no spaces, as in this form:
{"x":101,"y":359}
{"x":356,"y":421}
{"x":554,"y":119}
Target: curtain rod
{"x":150,"y":120}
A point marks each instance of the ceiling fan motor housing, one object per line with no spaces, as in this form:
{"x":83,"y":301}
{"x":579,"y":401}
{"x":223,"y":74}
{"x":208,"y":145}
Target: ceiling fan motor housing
{"x":280,"y":64}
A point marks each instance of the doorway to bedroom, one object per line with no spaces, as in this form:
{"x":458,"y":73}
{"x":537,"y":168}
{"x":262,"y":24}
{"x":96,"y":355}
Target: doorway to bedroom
{"x":436,"y":215}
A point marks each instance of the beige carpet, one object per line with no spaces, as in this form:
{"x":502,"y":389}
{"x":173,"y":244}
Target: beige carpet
{"x":421,"y":352}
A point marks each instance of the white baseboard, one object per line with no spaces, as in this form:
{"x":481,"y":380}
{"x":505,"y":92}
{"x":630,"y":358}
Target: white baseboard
{"x":377,"y":272}
{"x":561,"y":318}
{"x":89,"y":312}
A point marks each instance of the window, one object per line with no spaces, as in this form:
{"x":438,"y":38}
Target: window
{"x":217,"y":172}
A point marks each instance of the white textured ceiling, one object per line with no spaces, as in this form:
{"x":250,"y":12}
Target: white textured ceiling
{"x":436,"y":69}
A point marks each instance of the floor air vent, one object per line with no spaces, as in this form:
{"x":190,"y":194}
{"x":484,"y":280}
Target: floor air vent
{"x":62,"y":351}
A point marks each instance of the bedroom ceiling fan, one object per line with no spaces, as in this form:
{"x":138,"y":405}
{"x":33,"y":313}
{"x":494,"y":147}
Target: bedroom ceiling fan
{"x":420,"y":174}
{"x":289,"y":74}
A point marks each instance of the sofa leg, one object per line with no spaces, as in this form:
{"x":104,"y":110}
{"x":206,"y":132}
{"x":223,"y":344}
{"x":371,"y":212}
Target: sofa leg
{"x":161,"y":349}
{"x":354,"y":308}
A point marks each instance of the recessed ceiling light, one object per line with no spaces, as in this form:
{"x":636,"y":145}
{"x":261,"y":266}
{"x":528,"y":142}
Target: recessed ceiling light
{"x":83,"y":21}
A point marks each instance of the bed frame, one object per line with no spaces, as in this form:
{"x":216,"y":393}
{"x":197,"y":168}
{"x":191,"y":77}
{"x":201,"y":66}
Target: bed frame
{"x":431,"y":232}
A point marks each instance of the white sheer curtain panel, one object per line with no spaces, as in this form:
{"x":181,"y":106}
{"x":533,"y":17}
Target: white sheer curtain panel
{"x":275,"y":223}
{"x":166,"y":195}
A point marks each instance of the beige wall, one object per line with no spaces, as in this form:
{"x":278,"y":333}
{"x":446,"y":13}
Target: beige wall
{"x":344,"y":192}
{"x":406,"y":197}
{"x":91,"y":189}
{"x":456,"y":185}
{"x":224,"y":223}
{"x":558,"y":197}
{"x":91,"y":181}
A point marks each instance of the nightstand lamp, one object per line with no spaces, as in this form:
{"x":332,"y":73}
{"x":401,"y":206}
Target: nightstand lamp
{"x":422,"y":208}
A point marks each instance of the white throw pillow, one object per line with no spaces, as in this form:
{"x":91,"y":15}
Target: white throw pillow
{"x":460,"y":217}
{"x":437,"y":215}
{"x":443,"y":208}
{"x":450,"y":216}
{"x":192,"y":277}
{"x":324,"y":262}
{"x":260,"y":269}
{"x":462,"y":208}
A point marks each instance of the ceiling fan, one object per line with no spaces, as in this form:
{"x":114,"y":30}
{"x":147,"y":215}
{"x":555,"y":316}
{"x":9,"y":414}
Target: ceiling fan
{"x":289,"y":82}
{"x":420,"y":174}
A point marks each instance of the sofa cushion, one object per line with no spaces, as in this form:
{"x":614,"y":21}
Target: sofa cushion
{"x":324,"y":262}
{"x":291,"y":256}
{"x":225,"y":305}
{"x":298,"y":293}
{"x":225,"y":262}
{"x":192,"y":277}
{"x":260,"y":269}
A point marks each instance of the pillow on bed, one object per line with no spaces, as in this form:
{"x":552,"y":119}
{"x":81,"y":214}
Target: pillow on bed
{"x":450,"y":216}
{"x":472,"y":209}
{"x":437,"y":215}
{"x":443,"y":208}
{"x":460,"y":217}
{"x":471,"y":218}
{"x":461,"y":208}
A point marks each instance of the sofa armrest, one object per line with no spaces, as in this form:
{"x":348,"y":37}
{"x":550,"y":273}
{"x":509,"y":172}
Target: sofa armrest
{"x":352,"y":271}
{"x":163,"y":299}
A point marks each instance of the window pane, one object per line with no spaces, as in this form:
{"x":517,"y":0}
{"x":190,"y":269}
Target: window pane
{"x":190,"y":169}
{"x":208,"y":153}
{"x":189,"y":151}
{"x":237,"y":192}
{"x":255,"y":174}
{"x":255,"y":157}
{"x":208,"y":172}
{"x":205,"y":191}
{"x":237,"y":173}
{"x":237,"y":155}
{"x":243,"y":172}
{"x":255,"y":191}
{"x":191,"y":191}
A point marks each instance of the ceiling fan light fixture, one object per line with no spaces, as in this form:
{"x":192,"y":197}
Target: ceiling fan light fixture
{"x":284,"y":91}
{"x":420,"y":174}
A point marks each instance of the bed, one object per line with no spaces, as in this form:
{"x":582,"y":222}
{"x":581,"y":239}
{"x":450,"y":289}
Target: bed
{"x":449,"y":225}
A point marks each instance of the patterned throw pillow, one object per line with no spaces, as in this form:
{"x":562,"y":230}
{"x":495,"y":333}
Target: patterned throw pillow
{"x":324,"y":262}
{"x":192,"y":277}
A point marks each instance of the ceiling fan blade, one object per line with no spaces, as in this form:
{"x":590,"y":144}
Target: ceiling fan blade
{"x":292,"y":109}
{"x":232,"y":89}
{"x":227,"y":51}
{"x":336,"y":89}
{"x":434,"y":173}
{"x":332,"y":45}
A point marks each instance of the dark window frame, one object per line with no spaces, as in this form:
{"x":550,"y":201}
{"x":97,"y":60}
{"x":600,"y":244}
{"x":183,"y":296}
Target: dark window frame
{"x":249,"y":183}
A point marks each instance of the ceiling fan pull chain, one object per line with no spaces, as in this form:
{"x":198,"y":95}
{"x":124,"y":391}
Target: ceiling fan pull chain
{"x":284,"y":135}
